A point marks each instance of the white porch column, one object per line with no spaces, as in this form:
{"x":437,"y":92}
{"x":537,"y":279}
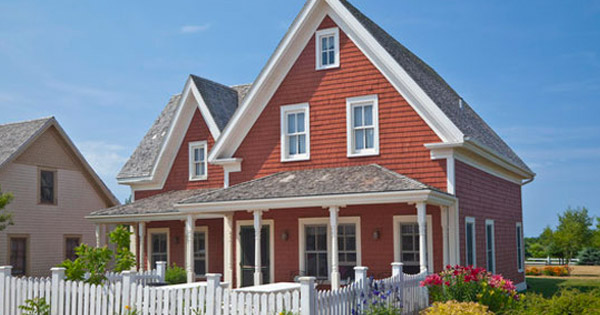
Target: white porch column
{"x":133,"y":242}
{"x":257,"y":247}
{"x":98,"y":232}
{"x":422,"y":221}
{"x":189,"y":248}
{"x":228,"y":248}
{"x":335,"y":273}
{"x":453,"y":235}
{"x":446,"y":241}
{"x":141,"y":234}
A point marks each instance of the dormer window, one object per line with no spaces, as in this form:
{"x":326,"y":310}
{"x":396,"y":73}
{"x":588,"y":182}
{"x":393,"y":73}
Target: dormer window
{"x":362,"y":126}
{"x":328,"y":48}
{"x":198,"y":165}
{"x":295,"y":132}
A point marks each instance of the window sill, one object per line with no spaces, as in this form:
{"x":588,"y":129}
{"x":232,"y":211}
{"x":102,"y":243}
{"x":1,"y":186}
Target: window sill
{"x":198,"y":179}
{"x":363,"y":154}
{"x":334,"y":66}
{"x":296,"y":159}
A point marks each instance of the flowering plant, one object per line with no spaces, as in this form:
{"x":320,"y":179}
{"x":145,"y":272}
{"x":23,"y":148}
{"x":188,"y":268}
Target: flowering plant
{"x":469,"y":284}
{"x":380,"y":299}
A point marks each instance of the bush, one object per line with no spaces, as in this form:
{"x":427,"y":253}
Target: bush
{"x":589,"y":256}
{"x":175,"y":275}
{"x":454,"y":307}
{"x":533,"y":271}
{"x":565,"y":302}
{"x":557,"y":271}
{"x":36,"y":306}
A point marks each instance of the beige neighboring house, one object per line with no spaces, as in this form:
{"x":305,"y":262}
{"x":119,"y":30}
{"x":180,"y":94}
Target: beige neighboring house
{"x":54,"y":188}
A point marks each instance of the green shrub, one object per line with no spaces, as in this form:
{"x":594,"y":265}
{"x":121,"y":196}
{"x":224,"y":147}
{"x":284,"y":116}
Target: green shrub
{"x":454,"y":307}
{"x":565,"y":302}
{"x":589,"y":256}
{"x":36,"y":306}
{"x":175,"y":275}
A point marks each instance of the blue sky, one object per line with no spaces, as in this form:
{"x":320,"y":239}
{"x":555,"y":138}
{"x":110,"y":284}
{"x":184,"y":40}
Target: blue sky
{"x":106,"y":69}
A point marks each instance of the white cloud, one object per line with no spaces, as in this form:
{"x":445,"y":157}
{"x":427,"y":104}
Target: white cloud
{"x":189,"y":29}
{"x":106,"y":159}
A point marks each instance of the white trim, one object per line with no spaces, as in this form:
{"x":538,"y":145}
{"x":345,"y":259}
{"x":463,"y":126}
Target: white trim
{"x":473,"y":239}
{"x":336,"y":39}
{"x":397,"y":219}
{"x":520,"y":262}
{"x":351,"y":102}
{"x":284,"y":111}
{"x":203,"y":229}
{"x":191,"y":168}
{"x":490,"y":223}
{"x":149,"y":233}
{"x":303,"y":222}
{"x":149,"y":217}
{"x":238,"y":248}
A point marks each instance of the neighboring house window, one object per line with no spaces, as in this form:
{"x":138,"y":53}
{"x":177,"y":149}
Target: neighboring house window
{"x":200,"y":253}
{"x":198,"y":165}
{"x":47,"y":187}
{"x":295,"y":132}
{"x":328,"y":48}
{"x":159,"y":248}
{"x":362,"y":126}
{"x":519,"y":247}
{"x":18,"y":255}
{"x":71,"y":242}
{"x":489,"y":246}
{"x":347,"y":257}
{"x":470,"y":241}
{"x":316,"y":251}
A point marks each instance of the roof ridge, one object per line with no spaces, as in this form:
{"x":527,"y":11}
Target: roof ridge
{"x":243,"y":84}
{"x":28,"y":121}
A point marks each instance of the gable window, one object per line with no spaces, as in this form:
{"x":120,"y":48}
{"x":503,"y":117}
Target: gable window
{"x":200,"y":266}
{"x":470,"y":241}
{"x":489,"y":246}
{"x":71,"y":242}
{"x":295,"y":132}
{"x":362,"y":126}
{"x":198,"y":165}
{"x":47,"y":187}
{"x":519,"y":247}
{"x":328,"y":48}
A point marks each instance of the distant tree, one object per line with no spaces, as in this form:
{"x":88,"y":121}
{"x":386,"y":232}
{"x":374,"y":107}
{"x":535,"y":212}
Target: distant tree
{"x":596,"y":239}
{"x":573,"y":232}
{"x":128,"y":200}
{"x":5,"y":216}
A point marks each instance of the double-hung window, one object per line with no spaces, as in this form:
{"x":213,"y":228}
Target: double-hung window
{"x":519,"y":247}
{"x":316,"y":251}
{"x":200,"y":252}
{"x":159,"y":247}
{"x":47,"y":187}
{"x":362,"y":125}
{"x":295,"y":132}
{"x":198,"y":163}
{"x":490,"y":250}
{"x":470,"y":243}
{"x":328,"y":48}
{"x":347,"y":256}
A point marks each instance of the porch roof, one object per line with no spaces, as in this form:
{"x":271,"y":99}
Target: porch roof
{"x":311,"y":184}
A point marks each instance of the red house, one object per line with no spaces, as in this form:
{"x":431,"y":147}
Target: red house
{"x":347,"y":150}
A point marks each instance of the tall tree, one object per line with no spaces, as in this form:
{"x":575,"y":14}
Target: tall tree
{"x":573,"y":232}
{"x":5,"y":216}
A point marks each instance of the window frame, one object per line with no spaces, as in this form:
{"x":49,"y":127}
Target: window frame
{"x":291,"y":109}
{"x":396,"y":220}
{"x":152,"y":231}
{"x":191,"y":162}
{"x":54,"y":187}
{"x":67,"y":237}
{"x":473,"y":239}
{"x":202,"y":229}
{"x":318,"y":45}
{"x":351,"y":103}
{"x":493,"y":246}
{"x":520,"y":249}
{"x":303,"y":222}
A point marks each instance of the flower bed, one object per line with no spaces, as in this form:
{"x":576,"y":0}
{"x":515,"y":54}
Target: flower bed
{"x":556,"y":271}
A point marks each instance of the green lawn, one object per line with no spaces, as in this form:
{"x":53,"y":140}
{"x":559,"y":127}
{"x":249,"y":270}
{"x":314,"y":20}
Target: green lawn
{"x":548,"y":286}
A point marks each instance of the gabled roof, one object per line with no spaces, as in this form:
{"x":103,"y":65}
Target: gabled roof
{"x":15,"y":138}
{"x":221,"y":100}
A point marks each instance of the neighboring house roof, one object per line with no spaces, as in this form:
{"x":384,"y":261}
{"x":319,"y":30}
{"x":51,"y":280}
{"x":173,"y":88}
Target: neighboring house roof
{"x":16,"y":137}
{"x":160,"y":203}
{"x":314,"y":182}
{"x":457,"y":110}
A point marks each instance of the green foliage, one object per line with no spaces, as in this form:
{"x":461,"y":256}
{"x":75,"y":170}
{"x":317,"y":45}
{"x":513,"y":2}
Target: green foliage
{"x":380,"y":309}
{"x":573,"y":231}
{"x":454,"y":307}
{"x":589,"y":256}
{"x":5,"y":217}
{"x":565,"y":302}
{"x":175,"y":275}
{"x":75,"y":269}
{"x":36,"y":306}
{"x":124,"y":258}
{"x":129,"y":311}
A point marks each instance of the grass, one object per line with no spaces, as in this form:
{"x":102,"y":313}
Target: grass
{"x":583,"y":278}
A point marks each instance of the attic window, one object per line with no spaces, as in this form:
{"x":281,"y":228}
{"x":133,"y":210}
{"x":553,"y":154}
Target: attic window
{"x":198,"y":165}
{"x":328,"y":48}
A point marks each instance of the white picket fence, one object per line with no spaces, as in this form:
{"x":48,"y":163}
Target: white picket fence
{"x":208,"y":298}
{"x":144,"y":277}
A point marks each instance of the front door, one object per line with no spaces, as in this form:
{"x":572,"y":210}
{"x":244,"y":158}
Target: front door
{"x":247,"y":252}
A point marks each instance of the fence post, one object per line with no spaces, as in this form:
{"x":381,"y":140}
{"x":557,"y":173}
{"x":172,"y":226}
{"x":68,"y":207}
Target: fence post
{"x":128,"y":279}
{"x":213,"y":281}
{"x":58,"y":275}
{"x":398,"y":280}
{"x":308,"y":296}
{"x":161,"y":270}
{"x":5,"y":273}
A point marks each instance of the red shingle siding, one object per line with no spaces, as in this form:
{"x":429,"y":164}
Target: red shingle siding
{"x":402,"y":131}
{"x":178,"y":178}
{"x":485,"y":196}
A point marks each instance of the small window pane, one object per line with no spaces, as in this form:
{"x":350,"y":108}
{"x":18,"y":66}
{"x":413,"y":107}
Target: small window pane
{"x":368,"y":115}
{"x":324,"y":58}
{"x":302,"y":144}
{"x":331,"y":43}
{"x":300,"y":122}
{"x":201,"y":155}
{"x":323,"y":265}
{"x":350,"y":243}
{"x":196,"y":154}
{"x":358,"y":121}
{"x":324,"y":43}
{"x":293,"y":145}
{"x":331,"y":57}
{"x":359,"y":140}
{"x":291,"y":123}
{"x":369,"y":138}
{"x":322,"y":238}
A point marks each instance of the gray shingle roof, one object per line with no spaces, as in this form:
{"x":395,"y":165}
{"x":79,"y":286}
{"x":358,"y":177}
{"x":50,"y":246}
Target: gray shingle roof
{"x":221,"y":100}
{"x":161,"y":203}
{"x":314,"y":182}
{"x":13,"y":136}
{"x":465,"y":118}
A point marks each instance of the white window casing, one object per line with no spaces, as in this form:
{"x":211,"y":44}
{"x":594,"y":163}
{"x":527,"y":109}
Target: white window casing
{"x":327,"y":48}
{"x":295,"y":132}
{"x":490,"y":246}
{"x":471,"y":257}
{"x":198,"y":165}
{"x":362,"y":126}
{"x":520,"y":247}
{"x":396,"y":221}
